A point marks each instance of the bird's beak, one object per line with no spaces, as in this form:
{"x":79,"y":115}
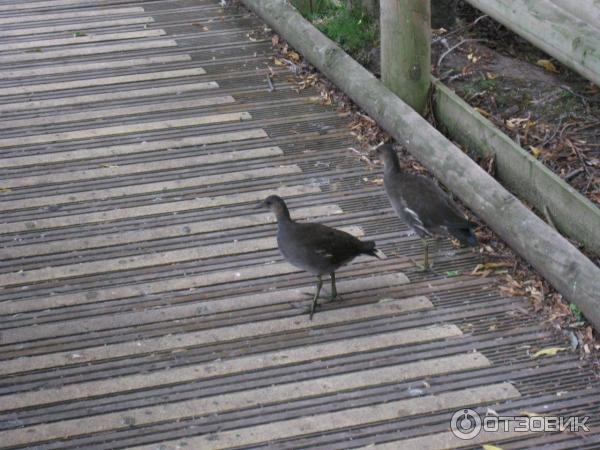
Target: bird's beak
{"x":260,"y":205}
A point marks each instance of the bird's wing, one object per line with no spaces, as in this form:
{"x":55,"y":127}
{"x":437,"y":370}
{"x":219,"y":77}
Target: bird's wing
{"x":328,"y":242}
{"x":431,"y":204}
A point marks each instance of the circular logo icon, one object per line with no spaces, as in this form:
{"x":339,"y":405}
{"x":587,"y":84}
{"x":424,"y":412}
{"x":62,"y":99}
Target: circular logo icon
{"x":465,"y":424}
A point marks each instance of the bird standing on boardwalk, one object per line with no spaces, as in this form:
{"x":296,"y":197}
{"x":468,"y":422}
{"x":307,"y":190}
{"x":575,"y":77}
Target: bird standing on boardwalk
{"x":422,"y":204}
{"x":316,"y":248}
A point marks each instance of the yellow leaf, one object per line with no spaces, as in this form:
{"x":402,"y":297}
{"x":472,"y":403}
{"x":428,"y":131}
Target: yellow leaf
{"x":278,"y":62}
{"x":535,"y":151}
{"x":483,"y":112}
{"x":550,"y":351}
{"x":547,"y":64}
{"x":293,"y":56}
{"x":491,"y":447}
{"x":491,"y":76}
{"x":5,"y":190}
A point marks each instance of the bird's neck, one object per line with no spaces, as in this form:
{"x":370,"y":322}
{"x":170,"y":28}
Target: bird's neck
{"x":283,"y":215}
{"x":393,"y":167}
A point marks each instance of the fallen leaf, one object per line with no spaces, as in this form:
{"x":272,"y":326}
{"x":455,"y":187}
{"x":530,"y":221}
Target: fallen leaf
{"x":79,"y":34}
{"x":2,"y":190}
{"x":535,"y":151}
{"x":547,"y":64}
{"x":293,"y":56}
{"x":550,"y":351}
{"x":483,"y":112}
{"x":491,"y":447}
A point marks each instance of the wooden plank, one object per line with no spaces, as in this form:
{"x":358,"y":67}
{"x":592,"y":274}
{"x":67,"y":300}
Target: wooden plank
{"x":107,"y":96}
{"x":283,"y":393}
{"x":87,"y":39}
{"x":124,"y":129}
{"x":24,"y":31}
{"x":143,"y":289}
{"x":183,"y":340}
{"x":49,"y":4}
{"x":195,"y":309}
{"x":87,"y":51}
{"x":146,"y":188}
{"x":236,"y":365}
{"x":70,"y":15}
{"x":127,"y":149}
{"x":103,"y":81}
{"x":93,"y":66}
{"x":153,"y":209}
{"x":70,"y":243}
{"x":446,"y":441}
{"x":321,"y":423}
{"x":117,"y":112}
{"x":9,"y":307}
{"x":145,"y":260}
{"x":150,"y":166}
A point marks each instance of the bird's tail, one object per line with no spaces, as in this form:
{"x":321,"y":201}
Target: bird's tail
{"x":370,"y":249}
{"x":465,"y":235}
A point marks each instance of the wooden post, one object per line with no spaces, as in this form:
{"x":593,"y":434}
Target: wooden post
{"x":406,"y":49}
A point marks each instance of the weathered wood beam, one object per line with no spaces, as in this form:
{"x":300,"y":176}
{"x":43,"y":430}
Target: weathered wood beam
{"x":406,"y":49}
{"x":586,"y":10}
{"x":572,"y":213}
{"x":573,"y":275}
{"x":562,"y":35}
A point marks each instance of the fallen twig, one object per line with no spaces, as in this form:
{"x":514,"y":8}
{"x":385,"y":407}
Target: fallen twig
{"x":454,"y":47}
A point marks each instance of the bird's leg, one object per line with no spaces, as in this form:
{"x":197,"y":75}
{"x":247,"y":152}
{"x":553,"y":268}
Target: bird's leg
{"x":316,"y":297}
{"x":426,"y":266}
{"x":334,"y":294}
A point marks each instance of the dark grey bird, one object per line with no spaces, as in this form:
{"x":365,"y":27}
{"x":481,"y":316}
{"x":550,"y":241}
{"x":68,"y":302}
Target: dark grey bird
{"x":316,"y":248}
{"x":425,"y":207}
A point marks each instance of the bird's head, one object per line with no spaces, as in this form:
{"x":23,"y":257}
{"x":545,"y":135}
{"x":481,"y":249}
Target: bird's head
{"x":276,"y":205}
{"x":388,"y":156}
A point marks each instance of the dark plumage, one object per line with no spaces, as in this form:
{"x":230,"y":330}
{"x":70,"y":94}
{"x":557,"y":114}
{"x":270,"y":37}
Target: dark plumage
{"x":422,"y":204}
{"x":316,"y":248}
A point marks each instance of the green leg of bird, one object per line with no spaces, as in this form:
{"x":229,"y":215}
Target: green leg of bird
{"x":427,"y":266}
{"x":334,"y":294}
{"x":316,"y":297}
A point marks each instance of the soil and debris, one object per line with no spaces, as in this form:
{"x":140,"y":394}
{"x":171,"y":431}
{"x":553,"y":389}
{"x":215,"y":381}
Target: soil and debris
{"x":544,"y":106}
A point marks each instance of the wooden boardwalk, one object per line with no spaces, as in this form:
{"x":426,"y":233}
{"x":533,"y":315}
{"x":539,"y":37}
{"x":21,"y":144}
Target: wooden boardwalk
{"x":143,"y":302}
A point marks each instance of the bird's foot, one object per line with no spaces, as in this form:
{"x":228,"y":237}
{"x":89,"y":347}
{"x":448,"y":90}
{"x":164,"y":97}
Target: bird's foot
{"x":334,"y":298}
{"x":422,"y":268}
